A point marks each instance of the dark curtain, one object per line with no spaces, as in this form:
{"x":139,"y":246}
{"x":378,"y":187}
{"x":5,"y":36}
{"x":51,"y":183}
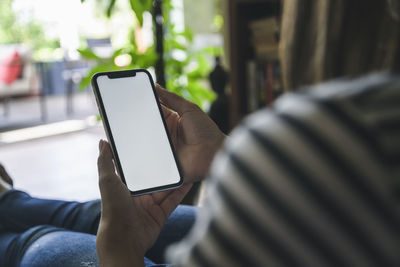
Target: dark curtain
{"x":325,"y":39}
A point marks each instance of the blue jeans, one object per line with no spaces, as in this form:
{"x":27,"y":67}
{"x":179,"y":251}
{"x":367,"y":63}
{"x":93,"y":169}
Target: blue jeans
{"x":40,"y":232}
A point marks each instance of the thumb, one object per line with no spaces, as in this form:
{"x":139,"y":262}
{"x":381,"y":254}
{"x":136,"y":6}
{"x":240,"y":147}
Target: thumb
{"x":109,"y":182}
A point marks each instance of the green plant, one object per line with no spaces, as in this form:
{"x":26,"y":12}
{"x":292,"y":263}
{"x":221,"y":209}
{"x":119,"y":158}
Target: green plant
{"x":138,"y":60}
{"x":185,"y":69}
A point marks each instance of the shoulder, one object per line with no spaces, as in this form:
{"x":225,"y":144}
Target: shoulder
{"x":366,"y":109}
{"x":345,"y":129}
{"x":329,"y":153}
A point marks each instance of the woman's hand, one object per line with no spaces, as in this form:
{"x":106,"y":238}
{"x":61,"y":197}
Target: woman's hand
{"x":195,"y":136}
{"x":129,"y":225}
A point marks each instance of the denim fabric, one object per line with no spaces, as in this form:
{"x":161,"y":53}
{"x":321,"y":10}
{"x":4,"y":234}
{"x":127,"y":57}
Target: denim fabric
{"x":19,"y":212}
{"x":61,"y":248}
{"x":175,"y":229}
{"x":14,"y":245}
{"x":39,"y":232}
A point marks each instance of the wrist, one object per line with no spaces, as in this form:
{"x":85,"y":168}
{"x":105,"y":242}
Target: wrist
{"x":118,"y":254}
{"x":121,"y":261}
{"x":114,"y":249}
{"x":216,"y":145}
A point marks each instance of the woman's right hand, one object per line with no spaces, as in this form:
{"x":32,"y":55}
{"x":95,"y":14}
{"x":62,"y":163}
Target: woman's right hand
{"x":195,"y":136}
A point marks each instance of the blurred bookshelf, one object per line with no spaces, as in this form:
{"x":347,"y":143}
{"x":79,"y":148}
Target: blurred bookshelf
{"x":252,"y":42}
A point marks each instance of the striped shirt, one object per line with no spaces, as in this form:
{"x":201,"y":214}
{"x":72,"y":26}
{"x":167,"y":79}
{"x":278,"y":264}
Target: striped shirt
{"x":313,"y":181}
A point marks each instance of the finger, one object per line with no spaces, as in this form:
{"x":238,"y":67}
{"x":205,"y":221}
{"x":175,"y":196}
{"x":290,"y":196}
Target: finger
{"x":172,"y":200}
{"x":108,"y":179}
{"x":105,"y":164}
{"x":173,"y":101}
{"x":171,"y":118}
{"x":167,"y":112}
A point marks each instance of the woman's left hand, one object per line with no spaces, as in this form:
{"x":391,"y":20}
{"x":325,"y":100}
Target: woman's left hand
{"x":129,"y":226}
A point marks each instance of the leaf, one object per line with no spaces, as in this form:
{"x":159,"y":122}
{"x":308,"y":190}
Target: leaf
{"x":204,"y":66}
{"x":167,"y":5}
{"x":88,"y":54}
{"x":213,"y":50}
{"x":147,"y":60}
{"x":139,"y":7}
{"x":100,"y":68}
{"x":188,"y":33}
{"x":118,"y":52}
{"x":110,"y":8}
{"x":185,"y":77}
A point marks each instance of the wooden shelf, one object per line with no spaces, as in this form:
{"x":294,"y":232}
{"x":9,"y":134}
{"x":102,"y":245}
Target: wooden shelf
{"x":240,"y":14}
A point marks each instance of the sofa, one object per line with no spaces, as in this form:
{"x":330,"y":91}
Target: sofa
{"x":26,"y":84}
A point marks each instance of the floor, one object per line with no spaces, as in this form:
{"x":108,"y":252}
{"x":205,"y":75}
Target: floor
{"x":26,"y":111}
{"x":55,"y":159}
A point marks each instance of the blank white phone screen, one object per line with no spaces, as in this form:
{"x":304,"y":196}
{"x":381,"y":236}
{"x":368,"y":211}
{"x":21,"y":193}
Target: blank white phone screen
{"x":139,"y":135}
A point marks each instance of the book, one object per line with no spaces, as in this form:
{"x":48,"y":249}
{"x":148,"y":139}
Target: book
{"x":266,"y":52}
{"x":269,"y":84}
{"x":263,"y":70}
{"x":264,"y":38}
{"x":264,"y":26}
{"x":252,"y":89}
{"x":263,"y":83}
{"x":270,"y":39}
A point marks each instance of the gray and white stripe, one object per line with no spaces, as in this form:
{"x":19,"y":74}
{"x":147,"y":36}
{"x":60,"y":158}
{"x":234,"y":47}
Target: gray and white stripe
{"x":314,"y":181}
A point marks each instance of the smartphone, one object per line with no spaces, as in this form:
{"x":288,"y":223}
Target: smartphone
{"x":136,"y":130}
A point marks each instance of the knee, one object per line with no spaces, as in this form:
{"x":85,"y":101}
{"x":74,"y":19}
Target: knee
{"x":62,"y":248}
{"x":185,"y":216}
